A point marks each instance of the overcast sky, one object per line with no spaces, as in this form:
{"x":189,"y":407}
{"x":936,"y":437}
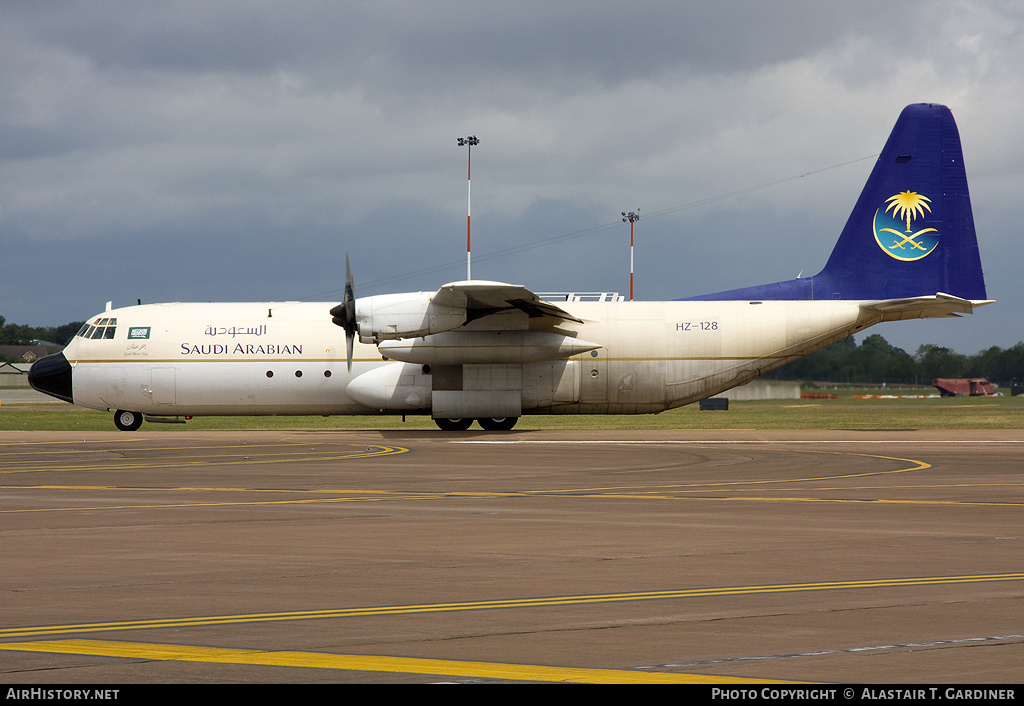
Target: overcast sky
{"x":230,"y":150}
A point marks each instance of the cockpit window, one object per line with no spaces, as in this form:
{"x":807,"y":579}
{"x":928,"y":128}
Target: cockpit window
{"x":103,"y":328}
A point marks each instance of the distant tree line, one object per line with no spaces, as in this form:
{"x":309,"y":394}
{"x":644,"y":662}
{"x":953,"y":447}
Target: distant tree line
{"x":19,"y":335}
{"x":876,"y":361}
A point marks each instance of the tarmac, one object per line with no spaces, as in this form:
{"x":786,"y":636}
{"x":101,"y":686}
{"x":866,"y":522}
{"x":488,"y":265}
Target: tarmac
{"x":411,"y":557}
{"x":25,"y":395}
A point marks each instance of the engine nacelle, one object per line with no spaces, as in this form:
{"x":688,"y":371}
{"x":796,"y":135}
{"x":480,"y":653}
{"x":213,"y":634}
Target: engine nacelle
{"x":393,"y":316}
{"x":397,"y":387}
{"x":495,"y":347}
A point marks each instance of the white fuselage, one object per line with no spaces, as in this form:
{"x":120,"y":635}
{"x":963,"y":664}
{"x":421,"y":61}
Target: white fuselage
{"x":288,"y":358}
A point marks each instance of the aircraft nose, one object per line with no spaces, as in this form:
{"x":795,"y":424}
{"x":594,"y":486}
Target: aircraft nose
{"x":52,"y":374}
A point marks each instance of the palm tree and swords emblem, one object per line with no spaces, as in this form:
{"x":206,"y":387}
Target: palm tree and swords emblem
{"x":905,"y":244}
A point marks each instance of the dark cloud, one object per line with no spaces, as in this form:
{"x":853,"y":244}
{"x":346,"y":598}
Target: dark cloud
{"x":604,"y":42}
{"x":237,"y":150}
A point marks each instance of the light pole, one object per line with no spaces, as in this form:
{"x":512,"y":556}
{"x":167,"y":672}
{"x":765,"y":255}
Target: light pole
{"x":632,"y":217}
{"x":469,"y":142}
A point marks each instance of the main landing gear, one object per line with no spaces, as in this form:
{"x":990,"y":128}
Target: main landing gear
{"x":498,"y":423}
{"x":487,"y":423}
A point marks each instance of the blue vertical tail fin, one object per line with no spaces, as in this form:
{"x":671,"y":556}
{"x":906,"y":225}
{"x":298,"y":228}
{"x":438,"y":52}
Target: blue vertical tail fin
{"x":911,"y":232}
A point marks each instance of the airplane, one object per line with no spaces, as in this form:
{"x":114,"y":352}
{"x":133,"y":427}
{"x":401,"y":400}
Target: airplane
{"x":492,"y":352}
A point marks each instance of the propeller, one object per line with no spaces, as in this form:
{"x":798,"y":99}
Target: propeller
{"x":344,"y":314}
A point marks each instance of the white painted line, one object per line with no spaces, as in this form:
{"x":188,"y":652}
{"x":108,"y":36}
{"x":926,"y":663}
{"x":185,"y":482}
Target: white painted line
{"x":935,"y":643}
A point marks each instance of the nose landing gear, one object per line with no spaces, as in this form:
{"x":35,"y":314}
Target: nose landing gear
{"x":127,"y":421}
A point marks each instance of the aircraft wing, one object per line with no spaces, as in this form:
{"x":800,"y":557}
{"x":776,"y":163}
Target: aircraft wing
{"x":481,"y":298}
{"x":937,"y":305}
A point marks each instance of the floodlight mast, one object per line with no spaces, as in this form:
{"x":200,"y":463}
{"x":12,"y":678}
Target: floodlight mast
{"x":469,"y":142}
{"x":632,"y":217}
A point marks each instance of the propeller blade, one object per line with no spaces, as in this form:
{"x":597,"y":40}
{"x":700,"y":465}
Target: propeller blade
{"x":349,"y":341}
{"x":344,"y":315}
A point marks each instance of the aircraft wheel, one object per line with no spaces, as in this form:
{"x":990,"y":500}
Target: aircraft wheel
{"x":127,"y":421}
{"x":461,"y":424}
{"x":498,"y":423}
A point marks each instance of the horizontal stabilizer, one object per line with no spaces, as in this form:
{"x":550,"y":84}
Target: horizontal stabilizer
{"x":935,"y":306}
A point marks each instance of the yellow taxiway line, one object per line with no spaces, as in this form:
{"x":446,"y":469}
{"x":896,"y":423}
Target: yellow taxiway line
{"x":366,"y":663}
